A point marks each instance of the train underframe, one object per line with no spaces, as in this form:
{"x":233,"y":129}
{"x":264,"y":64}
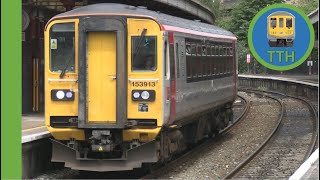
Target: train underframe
{"x":104,"y":151}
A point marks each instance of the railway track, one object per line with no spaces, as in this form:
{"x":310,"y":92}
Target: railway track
{"x":287,"y":146}
{"x":204,"y":144}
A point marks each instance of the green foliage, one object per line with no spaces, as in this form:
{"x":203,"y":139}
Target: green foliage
{"x":307,"y":6}
{"x":213,"y":5}
{"x":238,"y":20}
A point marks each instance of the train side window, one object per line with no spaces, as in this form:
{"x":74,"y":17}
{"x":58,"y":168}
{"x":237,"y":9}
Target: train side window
{"x":224,"y":51}
{"x":189,"y":68}
{"x":204,"y":50}
{"x":199,"y":51}
{"x":289,"y":22}
{"x":62,"y":47}
{"x":208,"y":51}
{"x":231,"y":51}
{"x":193,"y":50}
{"x":143,"y":53}
{"x":208,"y":67}
{"x":165,"y":58}
{"x":177,"y":60}
{"x":213,"y":51}
{"x":273,"y":22}
{"x":194,"y":67}
{"x":188,"y":49}
{"x":217,"y":50}
{"x":280,"y":22}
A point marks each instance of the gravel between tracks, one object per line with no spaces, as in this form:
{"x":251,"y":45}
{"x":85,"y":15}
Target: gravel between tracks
{"x":227,"y":151}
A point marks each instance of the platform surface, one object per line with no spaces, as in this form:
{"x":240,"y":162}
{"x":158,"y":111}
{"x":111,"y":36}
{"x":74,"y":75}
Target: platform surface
{"x":33,"y":127}
{"x":305,"y":78}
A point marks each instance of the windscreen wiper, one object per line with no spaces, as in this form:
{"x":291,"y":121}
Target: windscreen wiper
{"x":137,"y":48}
{"x":63,"y":72}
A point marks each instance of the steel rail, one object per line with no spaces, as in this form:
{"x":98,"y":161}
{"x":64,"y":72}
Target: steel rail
{"x":203,"y":145}
{"x":241,"y":165}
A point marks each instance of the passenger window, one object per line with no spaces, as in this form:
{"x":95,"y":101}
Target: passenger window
{"x":189,"y":68}
{"x":289,"y":22}
{"x":188,"y":49}
{"x":280,"y":22}
{"x":165,"y":58}
{"x":217,"y":50}
{"x":204,"y":51}
{"x":213,"y":51}
{"x":224,"y":51}
{"x":273,"y":22}
{"x":143,"y":53}
{"x":177,"y":60}
{"x":208,"y":51}
{"x":193,"y":50}
{"x":199,"y":51}
{"x":194,"y":68}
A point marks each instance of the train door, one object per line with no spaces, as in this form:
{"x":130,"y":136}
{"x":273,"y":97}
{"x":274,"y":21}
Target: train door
{"x":102,"y":77}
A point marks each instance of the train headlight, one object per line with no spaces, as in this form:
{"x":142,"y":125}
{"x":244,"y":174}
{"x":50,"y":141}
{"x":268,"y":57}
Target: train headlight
{"x":136,"y":95}
{"x":62,"y":95}
{"x":145,"y":95}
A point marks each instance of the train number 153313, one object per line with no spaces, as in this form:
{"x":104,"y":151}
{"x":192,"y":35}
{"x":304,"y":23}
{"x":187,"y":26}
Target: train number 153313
{"x":143,"y":84}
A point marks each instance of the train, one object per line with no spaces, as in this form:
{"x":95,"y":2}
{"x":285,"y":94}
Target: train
{"x":281,"y":29}
{"x":127,"y":87}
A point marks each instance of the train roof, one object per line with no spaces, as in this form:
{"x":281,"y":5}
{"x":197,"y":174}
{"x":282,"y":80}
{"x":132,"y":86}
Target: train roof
{"x":164,"y":19}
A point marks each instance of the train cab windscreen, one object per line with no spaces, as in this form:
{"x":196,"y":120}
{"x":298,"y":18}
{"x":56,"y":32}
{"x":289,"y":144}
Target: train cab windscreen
{"x":273,"y":22}
{"x":143,"y":53}
{"x":289,"y":22}
{"x":62,"y":50}
{"x":281,"y":22}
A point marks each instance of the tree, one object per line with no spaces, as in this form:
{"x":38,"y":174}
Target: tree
{"x":238,"y":23}
{"x":307,"y":6}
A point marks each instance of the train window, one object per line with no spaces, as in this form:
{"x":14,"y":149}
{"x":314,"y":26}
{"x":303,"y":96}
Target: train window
{"x":204,"y":51}
{"x":199,"y":51}
{"x":273,"y":22}
{"x":177,"y":60}
{"x":189,"y":68}
{"x":193,"y":50}
{"x":231,"y":51}
{"x":208,"y":66}
{"x":217,"y":51}
{"x":144,"y":53}
{"x":194,"y":68}
{"x":62,"y":50}
{"x":221,"y":51}
{"x":188,"y":49}
{"x":289,"y":22}
{"x":199,"y":67}
{"x":224,"y":51}
{"x":208,"y":51}
{"x":280,"y":22}
{"x":165,"y":58}
{"x":213,"y":51}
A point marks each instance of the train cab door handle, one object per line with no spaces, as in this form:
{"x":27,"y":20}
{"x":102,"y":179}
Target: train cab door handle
{"x":113,"y":77}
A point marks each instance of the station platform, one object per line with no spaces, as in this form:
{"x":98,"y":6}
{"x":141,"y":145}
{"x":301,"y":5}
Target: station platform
{"x":33,"y":127}
{"x":304,"y":78}
{"x":309,"y":169}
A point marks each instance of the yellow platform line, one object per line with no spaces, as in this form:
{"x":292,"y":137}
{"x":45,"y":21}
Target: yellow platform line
{"x":33,"y":128}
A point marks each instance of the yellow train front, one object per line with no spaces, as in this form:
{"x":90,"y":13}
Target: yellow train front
{"x":281,"y":29}
{"x":126,"y":86}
